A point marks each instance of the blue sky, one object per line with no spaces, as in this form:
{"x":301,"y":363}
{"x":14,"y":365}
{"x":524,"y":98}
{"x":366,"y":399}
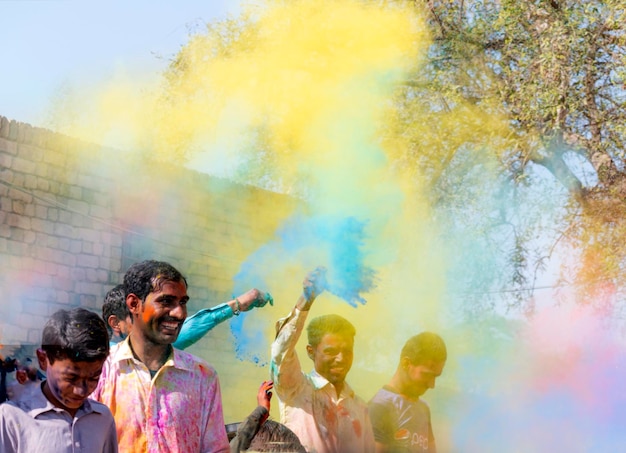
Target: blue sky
{"x":48,"y":44}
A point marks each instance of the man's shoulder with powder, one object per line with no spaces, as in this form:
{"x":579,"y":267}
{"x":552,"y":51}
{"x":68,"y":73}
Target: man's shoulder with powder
{"x":193,"y":363}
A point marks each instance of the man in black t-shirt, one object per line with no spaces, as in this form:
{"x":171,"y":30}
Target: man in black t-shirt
{"x":401,"y":420}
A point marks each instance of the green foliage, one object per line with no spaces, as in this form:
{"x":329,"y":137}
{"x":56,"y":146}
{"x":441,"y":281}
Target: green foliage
{"x":555,"y":71}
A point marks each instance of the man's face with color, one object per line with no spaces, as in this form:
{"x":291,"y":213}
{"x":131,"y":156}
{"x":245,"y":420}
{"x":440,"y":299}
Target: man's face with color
{"x":333,"y":356}
{"x":160,"y":316}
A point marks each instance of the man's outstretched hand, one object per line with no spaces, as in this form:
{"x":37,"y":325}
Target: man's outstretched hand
{"x":313,"y":285}
{"x":254,"y":298}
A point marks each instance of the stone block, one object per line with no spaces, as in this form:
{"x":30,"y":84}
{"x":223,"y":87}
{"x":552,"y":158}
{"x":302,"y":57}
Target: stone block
{"x":23,"y":165}
{"x":68,"y":259}
{"x":18,"y":207}
{"x":65,"y":217}
{"x":53,"y":214}
{"x":63,"y":271}
{"x":29,"y":210}
{"x":30,"y":237}
{"x":20,"y":194}
{"x":87,"y":247}
{"x":5,"y":160}
{"x":34,"y":335}
{"x":88,"y":288}
{"x":6,"y":175}
{"x":16,"y":220}
{"x":91,"y":275}
{"x":76,"y":192}
{"x":100,"y":212}
{"x":61,"y":229}
{"x":84,"y":260}
{"x":98,"y":249}
{"x":78,"y":220}
{"x":41,"y":211}
{"x":30,"y":152}
{"x":5,"y":230}
{"x":55,"y":187}
{"x":30,"y":182}
{"x":63,"y":297}
{"x":79,"y":274}
{"x":41,"y":226}
{"x":41,"y":170}
{"x":43,"y":184}
{"x":89,"y":235}
{"x":64,"y":244}
{"x":8,"y":146}
{"x":56,"y":158}
{"x":76,"y":246}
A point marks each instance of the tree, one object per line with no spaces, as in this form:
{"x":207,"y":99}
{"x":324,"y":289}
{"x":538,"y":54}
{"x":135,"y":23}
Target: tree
{"x":555,"y":72}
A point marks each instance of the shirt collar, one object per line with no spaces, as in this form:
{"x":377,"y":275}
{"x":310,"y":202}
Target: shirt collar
{"x":320,"y":382}
{"x":178,"y":358}
{"x":39,"y":404}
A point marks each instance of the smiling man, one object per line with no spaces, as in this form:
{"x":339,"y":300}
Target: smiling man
{"x":163,"y":399}
{"x":400,"y":418}
{"x":320,"y":407}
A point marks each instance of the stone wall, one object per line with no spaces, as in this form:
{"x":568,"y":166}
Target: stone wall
{"x":74,"y":216}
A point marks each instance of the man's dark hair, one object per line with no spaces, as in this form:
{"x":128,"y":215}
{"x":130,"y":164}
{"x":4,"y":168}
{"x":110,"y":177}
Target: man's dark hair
{"x":426,"y":346}
{"x":322,"y":325}
{"x":274,"y":436}
{"x":115,"y":304}
{"x":148,"y":276}
{"x":78,"y":334}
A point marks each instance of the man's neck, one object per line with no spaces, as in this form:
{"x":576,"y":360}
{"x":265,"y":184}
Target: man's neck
{"x":397,"y":384}
{"x":150,"y":354}
{"x":339,"y":388}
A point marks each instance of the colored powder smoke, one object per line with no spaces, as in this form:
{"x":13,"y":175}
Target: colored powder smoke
{"x":332,"y":242}
{"x":300,"y":97}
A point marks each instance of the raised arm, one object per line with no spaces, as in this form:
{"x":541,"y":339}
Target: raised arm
{"x":197,"y":326}
{"x":285,"y":369}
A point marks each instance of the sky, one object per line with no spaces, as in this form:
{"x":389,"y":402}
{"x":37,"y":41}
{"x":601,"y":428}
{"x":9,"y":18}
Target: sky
{"x":52,"y":44}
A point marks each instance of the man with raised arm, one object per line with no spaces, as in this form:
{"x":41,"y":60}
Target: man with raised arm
{"x":163,"y":399}
{"x":119,"y":322}
{"x":320,"y":407}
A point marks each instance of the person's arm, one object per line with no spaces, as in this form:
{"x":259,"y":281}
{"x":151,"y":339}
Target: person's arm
{"x":248,"y":429}
{"x":251,"y":425}
{"x":380,"y":417}
{"x":285,"y":368}
{"x":197,"y":326}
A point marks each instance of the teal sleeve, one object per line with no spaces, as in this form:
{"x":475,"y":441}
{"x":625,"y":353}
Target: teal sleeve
{"x":196,"y":326}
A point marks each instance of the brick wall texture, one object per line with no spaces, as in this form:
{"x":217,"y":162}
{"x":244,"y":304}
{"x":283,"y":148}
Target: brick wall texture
{"x":74,"y":216}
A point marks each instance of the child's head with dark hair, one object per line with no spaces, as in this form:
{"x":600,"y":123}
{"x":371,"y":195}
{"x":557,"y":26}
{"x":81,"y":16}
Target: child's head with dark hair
{"x":79,"y":335}
{"x":74,"y":346}
{"x":116,"y":314}
{"x":274,"y":436}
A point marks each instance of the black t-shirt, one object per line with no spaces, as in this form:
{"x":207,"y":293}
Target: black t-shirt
{"x":400,"y":423}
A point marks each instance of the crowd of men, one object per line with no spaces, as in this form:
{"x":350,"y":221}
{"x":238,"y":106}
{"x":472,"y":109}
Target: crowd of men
{"x":123,"y":382}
